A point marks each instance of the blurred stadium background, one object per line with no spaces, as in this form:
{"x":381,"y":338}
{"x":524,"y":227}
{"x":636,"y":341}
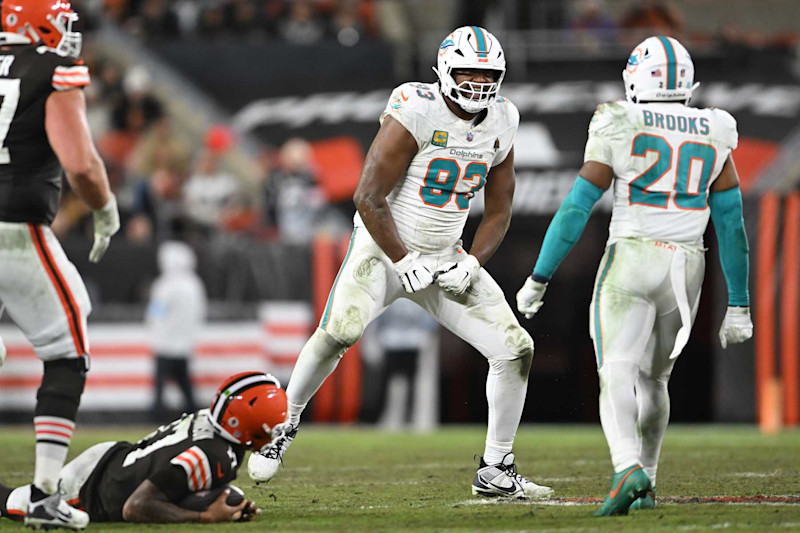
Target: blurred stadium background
{"x":241,"y":126}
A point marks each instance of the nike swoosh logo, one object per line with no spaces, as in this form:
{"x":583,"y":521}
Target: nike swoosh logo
{"x":63,"y":515}
{"x":495,"y":485}
{"x":403,"y":96}
{"x":613,"y":493}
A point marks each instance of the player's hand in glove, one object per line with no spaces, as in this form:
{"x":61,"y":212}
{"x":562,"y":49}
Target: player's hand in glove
{"x":530,"y":297}
{"x":737,"y":326}
{"x":456,"y":277}
{"x":413,"y":274}
{"x":106,"y":224}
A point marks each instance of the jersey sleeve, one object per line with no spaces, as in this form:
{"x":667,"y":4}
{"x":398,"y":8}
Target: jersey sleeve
{"x":407,"y":106}
{"x":206,"y":465}
{"x":727,"y":128}
{"x":506,"y":140}
{"x":72,"y":74}
{"x":598,"y":145}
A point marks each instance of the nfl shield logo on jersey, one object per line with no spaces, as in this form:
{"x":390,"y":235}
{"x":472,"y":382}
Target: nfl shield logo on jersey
{"x":470,"y":136}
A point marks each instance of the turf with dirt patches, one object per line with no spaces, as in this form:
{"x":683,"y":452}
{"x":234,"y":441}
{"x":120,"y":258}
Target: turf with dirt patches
{"x":711,"y":477}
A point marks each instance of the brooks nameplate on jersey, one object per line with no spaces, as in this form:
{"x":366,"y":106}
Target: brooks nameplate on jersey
{"x":665,"y":158}
{"x":431,"y":203}
{"x":30,"y":174}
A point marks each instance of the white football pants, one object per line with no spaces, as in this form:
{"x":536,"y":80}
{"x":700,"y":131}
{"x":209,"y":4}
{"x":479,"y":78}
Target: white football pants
{"x":645,"y":300}
{"x":367,"y":284}
{"x":42,"y":291}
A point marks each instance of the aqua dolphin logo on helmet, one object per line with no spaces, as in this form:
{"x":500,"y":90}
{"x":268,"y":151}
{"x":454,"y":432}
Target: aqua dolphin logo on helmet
{"x":659,"y":69}
{"x":470,"y":47}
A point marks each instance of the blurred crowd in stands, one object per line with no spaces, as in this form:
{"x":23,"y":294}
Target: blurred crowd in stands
{"x":168,"y":185}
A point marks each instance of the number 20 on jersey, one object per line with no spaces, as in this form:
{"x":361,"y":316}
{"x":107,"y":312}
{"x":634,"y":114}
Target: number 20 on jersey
{"x":641,"y":192}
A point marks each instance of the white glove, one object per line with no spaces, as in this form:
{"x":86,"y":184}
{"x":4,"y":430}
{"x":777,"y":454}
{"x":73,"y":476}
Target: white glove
{"x":736,"y":327}
{"x":413,"y":274}
{"x":456,"y":276}
{"x":530,"y":296}
{"x":106,"y":224}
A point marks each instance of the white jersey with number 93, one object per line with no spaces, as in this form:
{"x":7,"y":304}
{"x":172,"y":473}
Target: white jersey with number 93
{"x":430,"y":205}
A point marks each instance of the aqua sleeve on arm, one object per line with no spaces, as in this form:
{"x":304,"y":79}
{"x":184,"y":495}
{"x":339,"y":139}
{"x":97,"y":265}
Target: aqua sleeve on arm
{"x":566,"y":227}
{"x":726,"y":212}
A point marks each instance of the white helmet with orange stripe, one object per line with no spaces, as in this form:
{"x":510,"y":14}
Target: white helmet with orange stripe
{"x":659,"y":69}
{"x":473,"y":48}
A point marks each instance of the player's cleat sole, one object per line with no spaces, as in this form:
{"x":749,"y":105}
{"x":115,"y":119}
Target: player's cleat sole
{"x":645,"y":503}
{"x":262,"y":466}
{"x":52,"y":512}
{"x":503,"y":481}
{"x":626,"y":487}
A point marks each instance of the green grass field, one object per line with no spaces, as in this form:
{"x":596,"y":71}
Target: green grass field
{"x":711,"y":477}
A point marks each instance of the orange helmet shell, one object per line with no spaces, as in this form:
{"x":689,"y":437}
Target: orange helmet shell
{"x":46,"y":21}
{"x":246,"y":408}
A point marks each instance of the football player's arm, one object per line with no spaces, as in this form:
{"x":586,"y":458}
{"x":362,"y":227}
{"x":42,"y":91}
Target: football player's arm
{"x":150,"y":504}
{"x":570,"y":220}
{"x":69,"y":136}
{"x":386,"y":163}
{"x":725,"y":202}
{"x":564,"y":231}
{"x":68,"y":132}
{"x":498,"y":197}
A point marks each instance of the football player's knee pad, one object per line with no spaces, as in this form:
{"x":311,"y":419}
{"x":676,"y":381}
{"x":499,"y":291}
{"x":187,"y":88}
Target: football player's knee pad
{"x":347,"y":328}
{"x":519,"y":342}
{"x":332,"y":347}
{"x":61,"y":389}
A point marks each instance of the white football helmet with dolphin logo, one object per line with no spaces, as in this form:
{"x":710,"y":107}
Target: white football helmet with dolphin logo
{"x":659,"y":69}
{"x":470,"y":47}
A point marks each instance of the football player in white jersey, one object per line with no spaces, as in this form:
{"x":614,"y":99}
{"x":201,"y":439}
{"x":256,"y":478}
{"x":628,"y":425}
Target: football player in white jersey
{"x":671,"y":169}
{"x":438,"y":146}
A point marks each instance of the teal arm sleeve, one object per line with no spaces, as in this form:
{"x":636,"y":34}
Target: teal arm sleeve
{"x":726,"y":212}
{"x":566,"y":227}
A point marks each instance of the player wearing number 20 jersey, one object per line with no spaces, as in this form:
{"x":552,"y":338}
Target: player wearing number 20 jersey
{"x":671,"y":170}
{"x":665,"y":158}
{"x":438,"y":146}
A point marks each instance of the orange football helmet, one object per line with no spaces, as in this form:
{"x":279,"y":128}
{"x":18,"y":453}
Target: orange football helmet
{"x":43,"y":21}
{"x":246,"y":408}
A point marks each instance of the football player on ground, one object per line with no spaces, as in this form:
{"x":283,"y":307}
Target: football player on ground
{"x":437,"y":147}
{"x":43,"y":129}
{"x":672,"y":169}
{"x":155,"y":479}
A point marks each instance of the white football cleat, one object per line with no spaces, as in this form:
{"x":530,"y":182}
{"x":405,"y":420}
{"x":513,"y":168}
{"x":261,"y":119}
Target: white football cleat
{"x":263,"y":465}
{"x":502,"y":480}
{"x":51,"y":511}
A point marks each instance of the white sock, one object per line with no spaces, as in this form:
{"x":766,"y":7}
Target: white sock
{"x":317,"y":360}
{"x":506,"y":388}
{"x":53,"y":435}
{"x":619,"y":412}
{"x":653,"y":398}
